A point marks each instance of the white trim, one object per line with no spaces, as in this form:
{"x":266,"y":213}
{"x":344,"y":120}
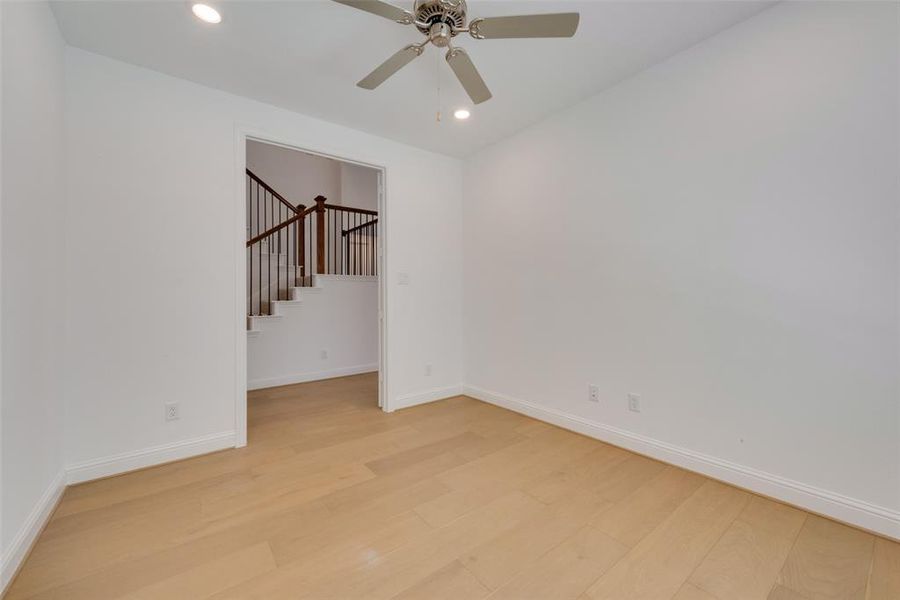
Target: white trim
{"x":31,"y":528}
{"x":431,"y":395}
{"x":381,"y":268}
{"x":240,"y":288}
{"x":148,"y":457}
{"x":258,"y":384}
{"x":878,"y":519}
{"x":243,"y":133}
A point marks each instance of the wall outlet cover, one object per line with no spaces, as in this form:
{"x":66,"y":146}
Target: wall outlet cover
{"x":593,"y":393}
{"x":172,"y":412}
{"x":634,"y":402}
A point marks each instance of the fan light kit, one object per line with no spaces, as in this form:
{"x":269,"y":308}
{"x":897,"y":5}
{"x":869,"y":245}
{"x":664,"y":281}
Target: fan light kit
{"x":461,"y":114}
{"x":206,"y":13}
{"x":442,"y":20}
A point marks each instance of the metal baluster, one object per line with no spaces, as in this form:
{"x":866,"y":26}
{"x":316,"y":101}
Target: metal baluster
{"x":309,"y":254}
{"x":250,"y":249}
{"x":258,"y":256}
{"x":278,"y":271}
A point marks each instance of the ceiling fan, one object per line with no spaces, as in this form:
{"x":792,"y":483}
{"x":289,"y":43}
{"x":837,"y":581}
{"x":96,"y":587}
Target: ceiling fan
{"x":442,"y":20}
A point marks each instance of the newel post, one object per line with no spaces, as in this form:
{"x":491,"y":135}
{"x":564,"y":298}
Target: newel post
{"x":300,"y":234}
{"x":320,"y":234}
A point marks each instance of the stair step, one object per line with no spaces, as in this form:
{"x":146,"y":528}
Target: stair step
{"x":287,"y":302}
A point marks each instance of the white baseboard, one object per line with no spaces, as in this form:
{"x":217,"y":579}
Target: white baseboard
{"x":258,"y":384}
{"x":877,"y":519}
{"x":426,"y":396}
{"x":21,"y":544}
{"x":129,"y":461}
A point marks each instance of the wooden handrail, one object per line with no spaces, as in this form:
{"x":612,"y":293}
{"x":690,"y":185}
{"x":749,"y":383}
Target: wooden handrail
{"x":282,"y":225}
{"x":358,"y":227}
{"x":269,"y":189}
{"x":304,"y":211}
{"x":363,"y":211}
{"x":289,"y":253}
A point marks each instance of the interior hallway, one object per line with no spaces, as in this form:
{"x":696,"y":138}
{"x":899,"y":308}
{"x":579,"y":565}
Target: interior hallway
{"x":456,"y":499}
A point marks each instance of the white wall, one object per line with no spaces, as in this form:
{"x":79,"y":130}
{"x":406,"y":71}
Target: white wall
{"x":299,"y":177}
{"x":339,"y":316}
{"x":155,"y":156}
{"x":718,"y":234}
{"x":359,"y":186}
{"x":33,"y":294}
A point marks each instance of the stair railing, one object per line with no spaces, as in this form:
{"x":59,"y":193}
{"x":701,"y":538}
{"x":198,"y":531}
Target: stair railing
{"x":276,"y":258}
{"x":286,"y":245}
{"x":265,"y":207}
{"x":351,"y":241}
{"x":361,"y":244}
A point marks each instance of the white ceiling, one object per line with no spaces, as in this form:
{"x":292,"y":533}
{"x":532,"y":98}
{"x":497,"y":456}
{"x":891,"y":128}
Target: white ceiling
{"x":308,"y":55}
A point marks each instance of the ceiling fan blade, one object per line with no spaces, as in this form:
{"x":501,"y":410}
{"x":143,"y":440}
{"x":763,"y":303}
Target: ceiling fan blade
{"x":553,"y":25}
{"x":382,"y":9}
{"x":468,"y":75}
{"x":396,"y":62}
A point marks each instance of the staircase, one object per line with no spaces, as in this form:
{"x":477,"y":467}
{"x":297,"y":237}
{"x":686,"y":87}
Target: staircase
{"x":288,"y":245}
{"x":312,"y":289}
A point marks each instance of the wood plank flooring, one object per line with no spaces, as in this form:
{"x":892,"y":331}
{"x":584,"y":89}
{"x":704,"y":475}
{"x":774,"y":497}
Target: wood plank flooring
{"x":456,"y":499}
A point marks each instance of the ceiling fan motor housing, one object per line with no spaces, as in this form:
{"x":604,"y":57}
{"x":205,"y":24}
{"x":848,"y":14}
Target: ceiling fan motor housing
{"x":438,"y":19}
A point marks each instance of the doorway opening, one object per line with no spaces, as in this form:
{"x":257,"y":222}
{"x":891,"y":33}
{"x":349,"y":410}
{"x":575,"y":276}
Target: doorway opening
{"x":312,"y":264}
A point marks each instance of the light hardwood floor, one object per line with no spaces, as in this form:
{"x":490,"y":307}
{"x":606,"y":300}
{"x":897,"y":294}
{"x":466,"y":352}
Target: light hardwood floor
{"x":456,"y":499}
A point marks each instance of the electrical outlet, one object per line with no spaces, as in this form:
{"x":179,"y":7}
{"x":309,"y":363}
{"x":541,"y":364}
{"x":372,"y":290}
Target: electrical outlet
{"x":634,"y":403}
{"x":172,"y":411}
{"x":593,"y":393}
{"x":428,"y":370}
{"x":403,"y":278}
{"x":323,"y":354}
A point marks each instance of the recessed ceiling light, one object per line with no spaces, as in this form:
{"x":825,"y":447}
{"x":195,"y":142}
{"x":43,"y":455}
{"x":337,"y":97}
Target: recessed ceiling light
{"x":461,"y":114}
{"x":207,"y":13}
